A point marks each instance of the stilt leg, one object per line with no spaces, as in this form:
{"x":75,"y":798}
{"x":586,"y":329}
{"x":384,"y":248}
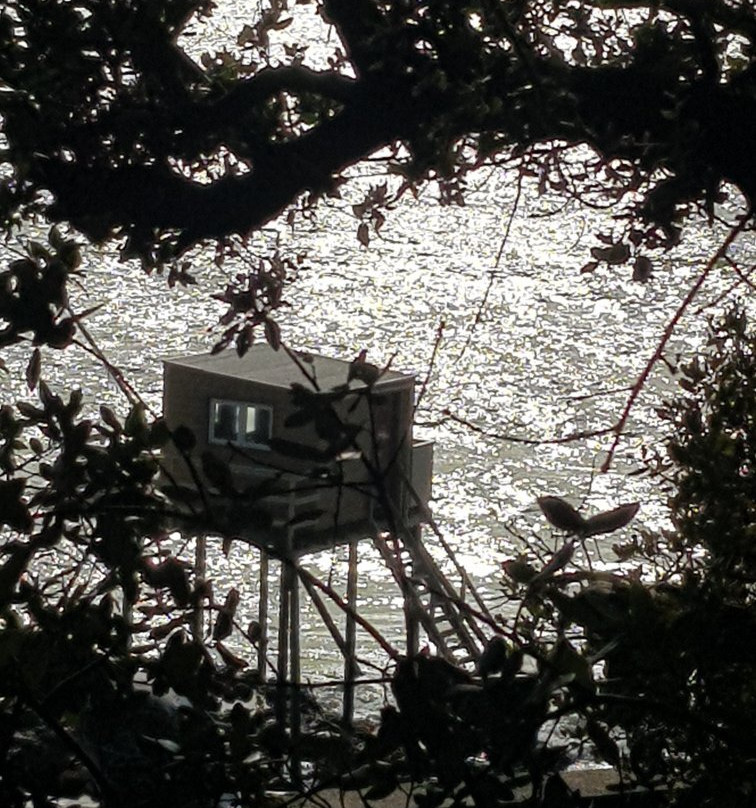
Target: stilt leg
{"x":262,"y":617}
{"x":350,"y":659}
{"x":284,"y":611}
{"x":295,"y":677}
{"x":411,"y":618}
{"x":200,"y":573}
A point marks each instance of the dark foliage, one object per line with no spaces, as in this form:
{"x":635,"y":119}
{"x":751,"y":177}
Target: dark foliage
{"x":113,"y":127}
{"x":673,"y":700}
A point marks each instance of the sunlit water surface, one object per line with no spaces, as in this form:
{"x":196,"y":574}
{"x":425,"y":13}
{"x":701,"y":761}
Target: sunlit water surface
{"x":551,"y":352}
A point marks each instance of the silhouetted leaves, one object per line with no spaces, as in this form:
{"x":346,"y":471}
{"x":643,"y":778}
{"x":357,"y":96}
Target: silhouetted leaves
{"x":13,"y":511}
{"x":561,"y":514}
{"x":615,"y":254}
{"x":225,"y":617}
{"x":642,"y":268}
{"x":609,"y":521}
{"x":564,"y":517}
{"x":33,"y":369}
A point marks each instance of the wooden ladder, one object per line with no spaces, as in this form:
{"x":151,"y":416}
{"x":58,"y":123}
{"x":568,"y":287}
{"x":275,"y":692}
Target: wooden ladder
{"x":432,"y":602}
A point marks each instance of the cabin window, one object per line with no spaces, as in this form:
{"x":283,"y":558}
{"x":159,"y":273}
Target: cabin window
{"x":241,"y":423}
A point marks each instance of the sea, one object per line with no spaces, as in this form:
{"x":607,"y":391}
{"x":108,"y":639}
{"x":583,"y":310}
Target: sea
{"x":513,"y":347}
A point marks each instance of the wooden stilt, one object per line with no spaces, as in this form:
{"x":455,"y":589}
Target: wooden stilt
{"x":284,"y":611}
{"x":411,"y":616}
{"x":262,"y":616}
{"x":200,"y":574}
{"x":325,"y":615}
{"x":295,"y":674}
{"x":350,"y":657}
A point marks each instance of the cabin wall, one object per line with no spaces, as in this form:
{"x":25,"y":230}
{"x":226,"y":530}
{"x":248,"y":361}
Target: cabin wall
{"x":188,"y":392}
{"x":385,"y":420}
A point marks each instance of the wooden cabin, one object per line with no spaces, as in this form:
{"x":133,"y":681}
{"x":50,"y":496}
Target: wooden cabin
{"x":297,"y":451}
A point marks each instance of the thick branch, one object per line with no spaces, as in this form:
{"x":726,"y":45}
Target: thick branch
{"x":156,"y":197}
{"x":655,"y":108}
{"x":293,"y":80}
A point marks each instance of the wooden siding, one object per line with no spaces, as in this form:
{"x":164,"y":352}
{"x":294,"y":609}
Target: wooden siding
{"x":383,"y":414}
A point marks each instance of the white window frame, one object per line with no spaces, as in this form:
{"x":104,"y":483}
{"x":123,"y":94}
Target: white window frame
{"x":239,"y":408}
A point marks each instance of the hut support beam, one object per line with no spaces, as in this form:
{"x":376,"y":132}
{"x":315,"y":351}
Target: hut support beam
{"x":289,"y":673}
{"x":262,"y":616}
{"x":350,"y":656}
{"x":200,"y":574}
{"x":284,"y":610}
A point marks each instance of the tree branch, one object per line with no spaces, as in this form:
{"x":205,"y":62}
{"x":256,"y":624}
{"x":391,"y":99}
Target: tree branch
{"x":668,"y":331}
{"x":272,"y":80}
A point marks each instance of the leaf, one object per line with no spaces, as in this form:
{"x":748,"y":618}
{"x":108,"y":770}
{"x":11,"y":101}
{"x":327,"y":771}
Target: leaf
{"x":33,"y":369}
{"x":164,"y":743}
{"x":135,"y":425}
{"x":223,"y":626}
{"x":49,"y":400}
{"x":110,"y":418}
{"x":608,"y":521}
{"x":311,"y":515}
{"x":87,"y":312}
{"x":30,"y":411}
{"x":13,"y":569}
{"x":605,"y":745}
{"x":184,"y":439}
{"x":519,"y":570}
{"x":642,"y":269}
{"x":231,"y":602}
{"x":299,"y":451}
{"x":171,"y":574}
{"x":13,"y":511}
{"x":230,"y":659}
{"x":561,"y":514}
{"x":55,"y":237}
{"x":616,"y":254}
{"x":363,"y":234}
{"x":568,"y":661}
{"x":300,"y":417}
{"x":273,"y":334}
{"x":589,"y":267}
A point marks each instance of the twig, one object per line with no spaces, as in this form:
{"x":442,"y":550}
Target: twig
{"x":573,"y":436}
{"x":431,"y":365}
{"x":344,"y":606}
{"x":116,"y":374}
{"x":729,"y":290}
{"x":607,"y":392}
{"x":492,"y":274}
{"x":640,"y":383}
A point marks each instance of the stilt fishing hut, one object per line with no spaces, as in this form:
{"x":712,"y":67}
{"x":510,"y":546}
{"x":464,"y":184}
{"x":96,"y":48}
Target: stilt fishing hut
{"x":294,"y":453}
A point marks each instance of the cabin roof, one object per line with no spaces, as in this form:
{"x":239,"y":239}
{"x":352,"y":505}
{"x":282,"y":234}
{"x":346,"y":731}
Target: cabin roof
{"x":275,"y":368}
